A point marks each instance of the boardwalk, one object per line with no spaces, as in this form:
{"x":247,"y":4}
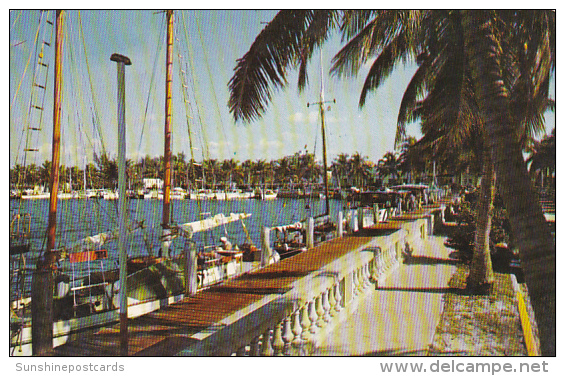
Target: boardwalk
{"x":400,"y":316}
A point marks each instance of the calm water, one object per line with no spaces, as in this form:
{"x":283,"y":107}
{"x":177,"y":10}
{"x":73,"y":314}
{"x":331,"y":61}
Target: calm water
{"x":80,"y":218}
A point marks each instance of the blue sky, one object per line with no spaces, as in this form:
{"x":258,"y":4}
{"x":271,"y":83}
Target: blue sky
{"x":215,"y":40}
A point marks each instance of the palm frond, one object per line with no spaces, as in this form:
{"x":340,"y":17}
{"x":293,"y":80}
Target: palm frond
{"x":383,"y":65}
{"x":374,"y":37}
{"x":410,"y":103}
{"x":323,"y":21}
{"x":264,"y":66}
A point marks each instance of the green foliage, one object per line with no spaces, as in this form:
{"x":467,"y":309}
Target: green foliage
{"x":463,"y":238}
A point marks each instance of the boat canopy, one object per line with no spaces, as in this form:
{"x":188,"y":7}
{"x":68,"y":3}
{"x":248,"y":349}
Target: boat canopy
{"x":95,"y":242}
{"x":294,"y":226}
{"x":211,"y":222}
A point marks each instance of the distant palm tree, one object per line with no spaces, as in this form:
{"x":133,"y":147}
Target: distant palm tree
{"x":542,"y":160}
{"x":389,"y":166}
{"x":340,"y":167}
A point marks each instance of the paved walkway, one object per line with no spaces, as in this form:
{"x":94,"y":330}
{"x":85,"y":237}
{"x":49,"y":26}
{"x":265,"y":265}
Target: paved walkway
{"x":400,"y":316}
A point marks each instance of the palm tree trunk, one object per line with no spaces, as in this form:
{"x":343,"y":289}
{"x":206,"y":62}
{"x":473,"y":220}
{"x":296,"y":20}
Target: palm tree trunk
{"x":481,"y":275}
{"x":532,"y":235}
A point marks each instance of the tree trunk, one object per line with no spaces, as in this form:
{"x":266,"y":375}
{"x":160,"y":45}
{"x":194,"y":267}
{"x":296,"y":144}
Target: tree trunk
{"x":532,"y":235}
{"x":481,"y":275}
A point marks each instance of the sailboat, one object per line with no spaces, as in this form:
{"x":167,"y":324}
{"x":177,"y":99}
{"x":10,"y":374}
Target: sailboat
{"x":62,"y":303}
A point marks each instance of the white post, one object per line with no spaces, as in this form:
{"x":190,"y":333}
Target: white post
{"x":266,"y":252}
{"x":122,"y":61}
{"x":310,"y":233}
{"x":360,"y":217}
{"x":340,"y":224}
{"x":191,"y":269}
{"x":354,"y":221}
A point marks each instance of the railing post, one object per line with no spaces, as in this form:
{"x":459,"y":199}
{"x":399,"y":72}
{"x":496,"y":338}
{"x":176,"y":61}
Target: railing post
{"x":191,"y":277}
{"x":354,"y":221}
{"x":376,"y":212}
{"x":360,"y":217}
{"x":340,"y":224}
{"x":310,"y":233}
{"x":266,"y":252}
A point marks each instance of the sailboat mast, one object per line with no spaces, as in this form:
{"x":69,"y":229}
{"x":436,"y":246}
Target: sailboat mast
{"x":42,"y":279}
{"x":56,"y":143}
{"x":168,"y":116}
{"x":322,"y":101}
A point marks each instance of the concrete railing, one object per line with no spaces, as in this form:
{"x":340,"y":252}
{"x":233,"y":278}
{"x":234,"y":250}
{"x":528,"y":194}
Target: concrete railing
{"x":297,"y":321}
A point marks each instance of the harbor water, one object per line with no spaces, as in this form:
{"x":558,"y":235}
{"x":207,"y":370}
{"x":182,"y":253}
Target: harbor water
{"x":79,"y":218}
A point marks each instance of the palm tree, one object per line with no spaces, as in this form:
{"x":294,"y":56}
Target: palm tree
{"x":399,"y":35}
{"x":228,"y":168}
{"x":389,"y":165}
{"x":542,"y":159}
{"x":359,"y":169}
{"x":340,"y":167}
{"x":537,"y":249}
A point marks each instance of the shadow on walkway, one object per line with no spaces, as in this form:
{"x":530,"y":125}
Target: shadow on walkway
{"x":425,"y":260}
{"x":431,"y":290}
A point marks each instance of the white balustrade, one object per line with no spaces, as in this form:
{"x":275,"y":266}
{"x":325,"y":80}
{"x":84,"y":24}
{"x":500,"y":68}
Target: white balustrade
{"x":316,"y":303}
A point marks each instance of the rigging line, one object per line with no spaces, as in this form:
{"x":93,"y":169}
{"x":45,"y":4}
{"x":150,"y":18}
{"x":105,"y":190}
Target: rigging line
{"x":96,"y":119}
{"x":184,"y":89}
{"x":212,"y":85}
{"x":77,"y":83}
{"x":31,"y":53}
{"x":16,"y":20}
{"x":34,"y":94}
{"x":25,"y":69}
{"x":203,"y":137}
{"x":153,"y":74}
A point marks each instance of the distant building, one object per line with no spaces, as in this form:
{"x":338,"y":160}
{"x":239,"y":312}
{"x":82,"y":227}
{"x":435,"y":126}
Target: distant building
{"x":152,"y":183}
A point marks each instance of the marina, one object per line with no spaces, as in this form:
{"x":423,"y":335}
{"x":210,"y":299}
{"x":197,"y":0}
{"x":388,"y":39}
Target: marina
{"x":141,"y":226}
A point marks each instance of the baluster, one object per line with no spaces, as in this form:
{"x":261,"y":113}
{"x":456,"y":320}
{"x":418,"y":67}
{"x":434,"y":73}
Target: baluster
{"x":313,"y":316}
{"x":320,"y":311}
{"x":266,"y":348}
{"x":338,"y":297}
{"x":305,"y":323}
{"x":367,"y":275}
{"x":278,"y":343}
{"x":297,"y":330}
{"x":287,"y":335}
{"x":354,"y":282}
{"x":360,"y":281}
{"x":254,"y":349}
{"x":332,"y":301}
{"x":326,"y":306}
